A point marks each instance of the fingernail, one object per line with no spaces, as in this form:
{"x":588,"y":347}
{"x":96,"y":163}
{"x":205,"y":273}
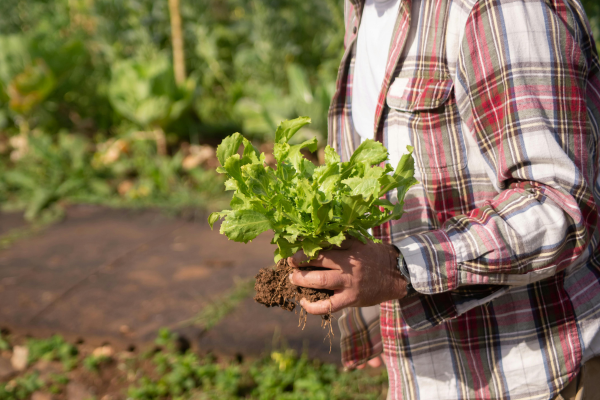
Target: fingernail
{"x":302,"y":302}
{"x":291,"y":280}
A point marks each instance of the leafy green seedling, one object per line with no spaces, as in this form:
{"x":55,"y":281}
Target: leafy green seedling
{"x":308,"y":208}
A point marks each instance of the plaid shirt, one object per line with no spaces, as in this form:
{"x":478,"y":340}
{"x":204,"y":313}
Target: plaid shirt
{"x":501,"y":101}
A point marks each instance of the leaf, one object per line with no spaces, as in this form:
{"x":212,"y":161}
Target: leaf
{"x":309,"y":207}
{"x":331,"y":157}
{"x":366,"y":187}
{"x":323,"y":215}
{"x":214,"y":217}
{"x":245,"y":225}
{"x":369,"y":151}
{"x":280,"y":151}
{"x":310,"y":248}
{"x":231,"y":184}
{"x":233,"y":166}
{"x":292,"y":233}
{"x":287,"y":129}
{"x":305,"y":196}
{"x":295,"y":156}
{"x":353,"y":207}
{"x":250,"y":152}
{"x":406,"y":165}
{"x":337,"y":240}
{"x":228,"y":147}
{"x":236,"y":203}
{"x":257,"y":179}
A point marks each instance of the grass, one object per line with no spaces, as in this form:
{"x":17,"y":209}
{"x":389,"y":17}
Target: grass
{"x":219,"y":308}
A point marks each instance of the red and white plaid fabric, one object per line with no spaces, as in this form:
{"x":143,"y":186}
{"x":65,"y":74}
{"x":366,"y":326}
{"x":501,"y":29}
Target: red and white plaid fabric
{"x":501,"y":101}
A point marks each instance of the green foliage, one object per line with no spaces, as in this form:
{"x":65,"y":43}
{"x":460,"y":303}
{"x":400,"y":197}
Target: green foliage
{"x":281,"y":375}
{"x":308,"y":207}
{"x":69,"y":168}
{"x":21,"y":388}
{"x":30,"y":88}
{"x":144,"y":91}
{"x":168,"y":373}
{"x":53,"y":170}
{"x":53,"y":349}
{"x":93,"y":362}
{"x":592,"y":8}
{"x":100,"y":58}
{"x":4,"y":343}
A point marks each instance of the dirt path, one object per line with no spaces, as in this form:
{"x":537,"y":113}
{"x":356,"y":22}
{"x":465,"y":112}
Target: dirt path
{"x":119,"y":275}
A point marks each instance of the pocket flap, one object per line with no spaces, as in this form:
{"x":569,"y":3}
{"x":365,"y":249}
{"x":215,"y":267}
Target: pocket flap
{"x":417,"y":94}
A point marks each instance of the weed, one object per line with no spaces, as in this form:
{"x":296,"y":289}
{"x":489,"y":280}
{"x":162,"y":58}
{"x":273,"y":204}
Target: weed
{"x":53,"y":349}
{"x":4,"y":343}
{"x":171,"y":374}
{"x":281,"y":375}
{"x":21,"y":388}
{"x":57,"y":383}
{"x":218,"y":309}
{"x":93,"y":362}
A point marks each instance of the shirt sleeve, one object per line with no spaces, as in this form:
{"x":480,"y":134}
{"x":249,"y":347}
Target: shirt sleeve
{"x":360,"y":335}
{"x":521,"y":89}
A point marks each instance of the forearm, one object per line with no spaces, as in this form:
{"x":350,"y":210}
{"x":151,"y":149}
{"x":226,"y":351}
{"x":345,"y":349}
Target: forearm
{"x":527,"y":233}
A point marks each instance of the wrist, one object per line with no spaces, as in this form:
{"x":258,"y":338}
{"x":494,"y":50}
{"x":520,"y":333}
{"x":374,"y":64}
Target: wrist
{"x":400,"y":281}
{"x":401,"y":265}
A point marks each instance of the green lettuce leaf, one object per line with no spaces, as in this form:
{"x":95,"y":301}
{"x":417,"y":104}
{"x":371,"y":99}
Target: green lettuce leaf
{"x":287,"y":129}
{"x":308,"y":208}
{"x":244,"y":225}
{"x":228,"y":147}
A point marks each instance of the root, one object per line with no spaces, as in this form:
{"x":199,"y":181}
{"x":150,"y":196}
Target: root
{"x":302,"y":318}
{"x":326,"y":322}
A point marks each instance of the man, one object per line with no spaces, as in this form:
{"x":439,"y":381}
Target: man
{"x":500,"y":297}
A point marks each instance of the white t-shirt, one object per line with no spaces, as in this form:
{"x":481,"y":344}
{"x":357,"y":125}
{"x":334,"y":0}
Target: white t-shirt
{"x":372,"y":47}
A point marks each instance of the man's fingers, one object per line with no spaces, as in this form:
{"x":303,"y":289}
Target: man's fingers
{"x":325,"y":256}
{"x":322,"y":307}
{"x":301,"y":260}
{"x":297,"y":259}
{"x":375,"y":362}
{"x":323,"y":279}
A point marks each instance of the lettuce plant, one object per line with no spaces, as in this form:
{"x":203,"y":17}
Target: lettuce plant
{"x":308,"y":208}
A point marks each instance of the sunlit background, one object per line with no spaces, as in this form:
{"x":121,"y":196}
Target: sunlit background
{"x":91,"y":109}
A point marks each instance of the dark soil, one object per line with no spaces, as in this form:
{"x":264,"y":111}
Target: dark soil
{"x":274,"y":289}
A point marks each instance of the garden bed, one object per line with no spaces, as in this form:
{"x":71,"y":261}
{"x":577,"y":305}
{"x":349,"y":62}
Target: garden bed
{"x":53,"y":369}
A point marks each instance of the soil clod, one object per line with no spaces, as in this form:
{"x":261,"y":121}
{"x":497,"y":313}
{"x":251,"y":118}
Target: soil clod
{"x":274,"y":289}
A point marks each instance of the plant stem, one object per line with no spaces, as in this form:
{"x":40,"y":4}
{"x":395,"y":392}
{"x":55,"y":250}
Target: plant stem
{"x":177,"y":41}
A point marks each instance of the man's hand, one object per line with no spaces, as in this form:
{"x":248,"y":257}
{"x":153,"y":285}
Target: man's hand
{"x":373,"y":363}
{"x":360,"y":275}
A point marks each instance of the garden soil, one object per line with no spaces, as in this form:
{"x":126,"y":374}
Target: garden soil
{"x":274,"y":289}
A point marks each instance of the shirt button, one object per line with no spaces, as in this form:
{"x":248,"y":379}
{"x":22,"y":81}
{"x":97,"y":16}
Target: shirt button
{"x":354,"y":30}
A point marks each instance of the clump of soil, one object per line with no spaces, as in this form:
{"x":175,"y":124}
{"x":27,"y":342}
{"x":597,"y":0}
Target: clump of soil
{"x":274,"y":289}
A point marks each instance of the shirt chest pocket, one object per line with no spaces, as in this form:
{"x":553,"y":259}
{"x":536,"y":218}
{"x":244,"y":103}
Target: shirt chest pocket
{"x":424,"y":111}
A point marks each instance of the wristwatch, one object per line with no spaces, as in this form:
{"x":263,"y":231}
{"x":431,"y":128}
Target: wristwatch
{"x":401,"y":265}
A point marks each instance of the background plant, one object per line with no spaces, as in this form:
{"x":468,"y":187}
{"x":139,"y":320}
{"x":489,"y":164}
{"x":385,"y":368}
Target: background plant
{"x":102,"y":71}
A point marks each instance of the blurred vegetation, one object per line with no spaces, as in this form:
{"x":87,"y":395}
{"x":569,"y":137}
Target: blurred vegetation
{"x":90,"y":109}
{"x":92,"y":66}
{"x":167,"y":372}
